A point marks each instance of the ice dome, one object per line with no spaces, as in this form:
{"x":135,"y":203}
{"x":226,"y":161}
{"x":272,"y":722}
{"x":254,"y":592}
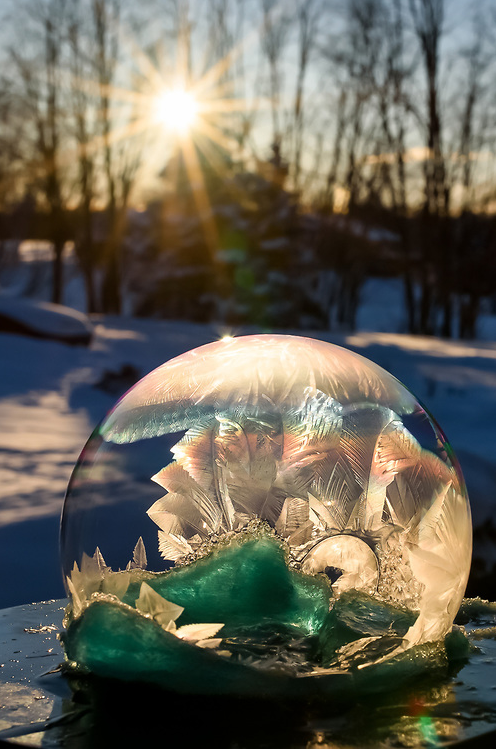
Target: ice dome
{"x":284,"y":439}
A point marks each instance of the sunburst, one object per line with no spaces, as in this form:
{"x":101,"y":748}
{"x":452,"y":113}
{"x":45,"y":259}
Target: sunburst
{"x":176,"y":109}
{"x":169,"y":110}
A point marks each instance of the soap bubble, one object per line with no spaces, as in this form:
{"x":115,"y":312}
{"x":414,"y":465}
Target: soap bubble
{"x":326,"y":450}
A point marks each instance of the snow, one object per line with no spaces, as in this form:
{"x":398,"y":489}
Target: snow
{"x":44,"y":319}
{"x":50,"y":402}
{"x":26,"y":270}
{"x":381,"y":306}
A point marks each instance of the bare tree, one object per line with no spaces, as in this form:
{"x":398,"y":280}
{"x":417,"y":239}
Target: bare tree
{"x":308,"y":16}
{"x":12,"y":141}
{"x":355,"y":54}
{"x":120,"y":155}
{"x":275,"y":26}
{"x":41,"y":92}
{"x":84,"y":132}
{"x":428,"y":23}
{"x":337,"y":147}
{"x":470,"y":234}
{"x":105,"y":17}
{"x":474,"y":124}
{"x":393,"y":81}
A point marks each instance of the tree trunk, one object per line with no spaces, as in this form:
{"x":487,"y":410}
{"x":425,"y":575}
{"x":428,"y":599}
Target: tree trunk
{"x":89,"y":285}
{"x":425,"y":327}
{"x":410,"y":300}
{"x":111,"y":286}
{"x":447,"y":326}
{"x":57,"y":266}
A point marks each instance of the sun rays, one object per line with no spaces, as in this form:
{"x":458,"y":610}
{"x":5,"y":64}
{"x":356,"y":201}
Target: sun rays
{"x":168,"y":111}
{"x":176,"y":109}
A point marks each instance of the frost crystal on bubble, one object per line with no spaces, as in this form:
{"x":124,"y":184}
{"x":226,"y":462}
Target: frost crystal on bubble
{"x":321,"y":445}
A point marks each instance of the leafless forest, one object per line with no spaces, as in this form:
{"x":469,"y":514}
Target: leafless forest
{"x":333,"y":140}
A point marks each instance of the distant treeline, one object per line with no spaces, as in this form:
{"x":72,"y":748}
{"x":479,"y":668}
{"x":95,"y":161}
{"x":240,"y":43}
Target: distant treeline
{"x":258,"y":258}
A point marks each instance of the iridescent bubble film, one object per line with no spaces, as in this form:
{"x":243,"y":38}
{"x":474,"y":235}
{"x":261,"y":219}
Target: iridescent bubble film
{"x":274,"y":480}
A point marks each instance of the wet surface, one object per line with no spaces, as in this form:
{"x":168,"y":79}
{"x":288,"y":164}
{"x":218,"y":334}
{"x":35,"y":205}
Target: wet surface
{"x":39,"y":707}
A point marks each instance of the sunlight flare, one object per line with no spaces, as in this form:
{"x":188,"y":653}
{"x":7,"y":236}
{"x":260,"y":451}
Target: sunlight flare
{"x":176,"y":109}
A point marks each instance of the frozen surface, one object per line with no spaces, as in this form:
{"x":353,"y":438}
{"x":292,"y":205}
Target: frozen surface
{"x":49,"y":405}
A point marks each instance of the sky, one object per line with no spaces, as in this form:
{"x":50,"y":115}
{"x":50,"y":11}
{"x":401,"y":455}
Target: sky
{"x":151,"y":60}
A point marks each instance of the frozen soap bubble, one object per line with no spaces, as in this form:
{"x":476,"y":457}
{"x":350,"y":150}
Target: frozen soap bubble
{"x":255,"y":452}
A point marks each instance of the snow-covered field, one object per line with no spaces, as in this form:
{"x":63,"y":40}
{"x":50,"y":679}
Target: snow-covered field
{"x":50,"y":401}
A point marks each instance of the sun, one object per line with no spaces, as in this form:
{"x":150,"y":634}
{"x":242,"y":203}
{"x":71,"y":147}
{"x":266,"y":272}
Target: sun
{"x":175,"y":109}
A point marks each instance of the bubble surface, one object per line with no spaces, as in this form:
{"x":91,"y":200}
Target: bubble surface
{"x":330,"y":452}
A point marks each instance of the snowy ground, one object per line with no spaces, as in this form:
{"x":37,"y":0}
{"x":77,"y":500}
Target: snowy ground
{"x":49,"y":404}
